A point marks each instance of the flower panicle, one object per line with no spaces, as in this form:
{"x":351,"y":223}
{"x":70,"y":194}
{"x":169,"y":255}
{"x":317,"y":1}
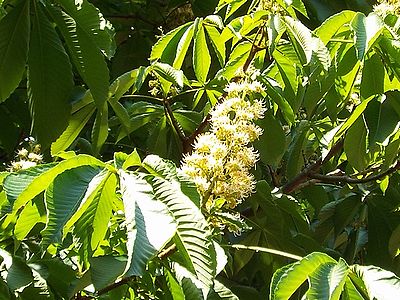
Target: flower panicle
{"x":222,"y":158}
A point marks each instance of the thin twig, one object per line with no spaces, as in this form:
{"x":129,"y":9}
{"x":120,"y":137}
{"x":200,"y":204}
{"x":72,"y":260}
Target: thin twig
{"x":266,"y":250}
{"x":352,"y":180}
{"x":116,"y":284}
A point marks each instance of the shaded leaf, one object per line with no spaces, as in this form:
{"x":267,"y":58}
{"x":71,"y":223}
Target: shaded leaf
{"x":14,"y":32}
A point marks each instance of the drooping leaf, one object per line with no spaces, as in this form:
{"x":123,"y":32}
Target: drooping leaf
{"x":14,"y":32}
{"x":63,"y":198}
{"x":217,"y":43}
{"x":50,"y":79}
{"x":25,"y":185}
{"x":85,"y":53}
{"x":145,"y":216}
{"x":105,"y":270}
{"x":192,"y":236}
{"x":303,"y":36}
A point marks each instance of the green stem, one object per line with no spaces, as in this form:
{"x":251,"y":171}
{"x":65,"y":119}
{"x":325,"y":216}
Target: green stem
{"x":266,"y":250}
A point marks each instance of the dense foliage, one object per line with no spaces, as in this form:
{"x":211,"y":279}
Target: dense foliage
{"x":174,"y":149}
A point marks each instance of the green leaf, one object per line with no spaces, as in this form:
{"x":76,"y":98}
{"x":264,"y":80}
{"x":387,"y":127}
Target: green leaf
{"x":236,"y":61}
{"x":165,"y":43}
{"x":25,"y":185}
{"x":295,"y":159}
{"x":170,"y":74}
{"x":220,"y":292}
{"x":63,"y":198}
{"x":354,"y":116}
{"x":50,"y":79}
{"x":373,"y":77}
{"x":288,"y":279}
{"x":87,"y":57}
{"x":90,"y":20}
{"x":272,"y":143}
{"x":330,"y":26}
{"x":77,"y":122}
{"x":277,"y":97}
{"x":174,"y":287}
{"x":100,"y":128}
{"x":303,"y":36}
{"x":16,"y":273}
{"x":327,"y":281}
{"x":201,"y":55}
{"x":366,"y":31}
{"x":193,"y":237}
{"x":33,"y":213}
{"x":192,"y":288}
{"x":104,"y":270}
{"x":102,"y":211}
{"x":217,"y":43}
{"x":355,"y":144}
{"x":92,"y":194}
{"x":381,"y":121}
{"x":183,"y":47}
{"x":380,"y":284}
{"x":145,"y":216}
{"x":14,"y":32}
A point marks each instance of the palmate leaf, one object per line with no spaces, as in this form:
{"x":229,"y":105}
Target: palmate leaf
{"x":166,"y":43}
{"x":149,"y":223}
{"x":63,"y":198}
{"x":14,"y":32}
{"x":84,"y":50}
{"x":193,"y":238}
{"x":23,"y":186}
{"x":50,"y":79}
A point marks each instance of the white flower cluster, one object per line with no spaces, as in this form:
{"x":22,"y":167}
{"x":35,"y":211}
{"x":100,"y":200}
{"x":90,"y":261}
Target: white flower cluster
{"x":26,"y":159}
{"x":223,"y":157}
{"x":387,"y":7}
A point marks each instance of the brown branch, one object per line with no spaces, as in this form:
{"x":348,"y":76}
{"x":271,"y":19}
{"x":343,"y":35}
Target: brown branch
{"x":304,"y":176}
{"x":352,"y":180}
{"x":116,"y":284}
